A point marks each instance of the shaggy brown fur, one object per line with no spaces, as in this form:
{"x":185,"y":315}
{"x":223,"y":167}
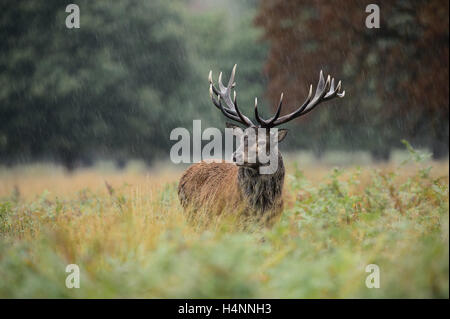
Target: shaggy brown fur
{"x":218,"y":189}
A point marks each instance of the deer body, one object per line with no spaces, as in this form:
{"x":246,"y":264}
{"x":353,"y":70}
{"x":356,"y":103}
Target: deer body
{"x":225,"y":188}
{"x":240,"y":189}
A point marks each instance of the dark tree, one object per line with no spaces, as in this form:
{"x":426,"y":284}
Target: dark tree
{"x":396,"y":77}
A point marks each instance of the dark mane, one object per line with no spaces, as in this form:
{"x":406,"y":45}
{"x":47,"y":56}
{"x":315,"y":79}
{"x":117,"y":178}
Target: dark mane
{"x":262,"y":192}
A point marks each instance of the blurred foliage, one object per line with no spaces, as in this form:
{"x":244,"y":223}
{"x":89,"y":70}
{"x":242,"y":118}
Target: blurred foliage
{"x":133,"y":241}
{"x":119,"y":84}
{"x":395,"y":77}
{"x":99,"y":88}
{"x":135,"y":70}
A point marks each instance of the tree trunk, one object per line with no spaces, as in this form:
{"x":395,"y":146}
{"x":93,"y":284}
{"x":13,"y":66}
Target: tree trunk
{"x":381,"y":155}
{"x":121,"y":163}
{"x":439,"y":149}
{"x":68,"y":160}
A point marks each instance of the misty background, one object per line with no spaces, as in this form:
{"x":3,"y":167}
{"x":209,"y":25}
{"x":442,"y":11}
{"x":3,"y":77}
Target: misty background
{"x":116,"y":87}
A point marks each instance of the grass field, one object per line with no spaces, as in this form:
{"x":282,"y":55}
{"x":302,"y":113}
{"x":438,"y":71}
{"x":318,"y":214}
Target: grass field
{"x":127,"y":233}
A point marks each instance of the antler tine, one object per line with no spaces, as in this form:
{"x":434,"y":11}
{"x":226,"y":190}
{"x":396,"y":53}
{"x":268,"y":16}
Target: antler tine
{"x":323,"y":96}
{"x":241,"y":116}
{"x":221,"y":86}
{"x":325,"y":91}
{"x":210,"y":79}
{"x":258,"y":119}
{"x":268,"y":123}
{"x":231,"y":80}
{"x":231,"y":111}
{"x":288,"y":117}
{"x":320,"y":95}
{"x":334,"y":91}
{"x":277,"y":114}
{"x":321,"y":91}
{"x":322,"y":86}
{"x":338,"y":88}
{"x":216,"y":103}
{"x":225,"y":111}
{"x":219,"y":105}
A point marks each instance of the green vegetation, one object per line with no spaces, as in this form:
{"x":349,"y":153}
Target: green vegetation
{"x":130,"y":238}
{"x":134,"y":70}
{"x":117,"y":86}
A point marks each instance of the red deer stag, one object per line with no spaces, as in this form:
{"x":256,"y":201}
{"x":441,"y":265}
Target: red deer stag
{"x":238,"y":189}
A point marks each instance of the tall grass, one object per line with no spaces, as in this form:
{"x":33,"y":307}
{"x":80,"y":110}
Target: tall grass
{"x":128,"y":235}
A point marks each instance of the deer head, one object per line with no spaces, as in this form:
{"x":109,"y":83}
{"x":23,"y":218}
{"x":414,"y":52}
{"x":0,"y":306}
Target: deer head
{"x":259,"y":139}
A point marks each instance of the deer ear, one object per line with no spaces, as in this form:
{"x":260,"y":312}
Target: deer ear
{"x":282,"y":134}
{"x":231,"y":125}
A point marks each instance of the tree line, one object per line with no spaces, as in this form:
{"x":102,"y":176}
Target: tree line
{"x":134,"y":70}
{"x":396,"y":76}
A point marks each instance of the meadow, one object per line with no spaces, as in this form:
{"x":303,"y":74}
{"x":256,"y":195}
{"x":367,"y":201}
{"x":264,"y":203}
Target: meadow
{"x":127,"y":233}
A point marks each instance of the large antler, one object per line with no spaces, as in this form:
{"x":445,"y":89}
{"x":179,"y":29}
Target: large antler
{"x":324,"y":91}
{"x":231,"y":111}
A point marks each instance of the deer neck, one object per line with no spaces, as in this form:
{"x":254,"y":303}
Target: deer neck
{"x":261,"y":191}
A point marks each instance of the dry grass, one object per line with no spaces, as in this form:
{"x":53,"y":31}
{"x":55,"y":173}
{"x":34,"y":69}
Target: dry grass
{"x":32,"y":180}
{"x":129,"y":236}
